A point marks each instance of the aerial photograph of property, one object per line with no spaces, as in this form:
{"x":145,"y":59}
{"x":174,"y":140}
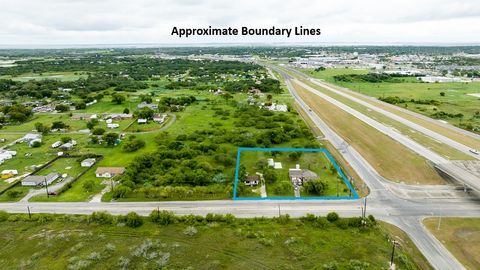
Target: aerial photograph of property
{"x":327,"y":135}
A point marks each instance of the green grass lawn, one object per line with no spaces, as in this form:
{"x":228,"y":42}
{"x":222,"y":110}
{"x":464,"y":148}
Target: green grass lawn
{"x":75,"y":243}
{"x":61,"y":76}
{"x":456,"y":99}
{"x":47,"y":119}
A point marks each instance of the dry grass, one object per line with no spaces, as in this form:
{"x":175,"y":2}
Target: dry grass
{"x":391,"y":159}
{"x":359,"y":185}
{"x":461,"y":236}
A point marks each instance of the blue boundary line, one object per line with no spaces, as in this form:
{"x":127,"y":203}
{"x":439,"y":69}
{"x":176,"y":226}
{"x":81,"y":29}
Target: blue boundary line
{"x":323,"y":150}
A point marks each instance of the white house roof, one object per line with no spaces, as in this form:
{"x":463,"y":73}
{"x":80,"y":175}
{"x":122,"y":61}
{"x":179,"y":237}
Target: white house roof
{"x":10,"y":172}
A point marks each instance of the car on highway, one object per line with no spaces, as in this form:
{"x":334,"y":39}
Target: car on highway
{"x":474,"y":151}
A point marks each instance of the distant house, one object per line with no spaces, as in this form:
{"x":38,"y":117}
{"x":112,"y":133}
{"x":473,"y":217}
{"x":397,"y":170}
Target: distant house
{"x":119,"y":116}
{"x":277,"y":165}
{"x":67,"y":146}
{"x":81,"y":116}
{"x":147,"y":105}
{"x":30,"y":137}
{"x":159,"y":118}
{"x":39,"y":180}
{"x":112,"y":125}
{"x":252,"y":180}
{"x":51,"y":177}
{"x":107,"y":172}
{"x":8,"y":173}
{"x":56,"y":144}
{"x":88,"y":162}
{"x":108,"y":121}
{"x":33,"y":180}
{"x":299,"y":176}
{"x":278,"y":107}
{"x":142,"y":121}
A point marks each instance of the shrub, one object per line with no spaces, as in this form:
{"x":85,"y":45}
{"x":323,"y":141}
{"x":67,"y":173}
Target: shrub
{"x":133,"y":220}
{"x":101,"y":218}
{"x":3,"y":215}
{"x":13,"y":193}
{"x":332,"y":216}
{"x":88,"y":185}
{"x":162,"y":217}
{"x":190,"y":231}
{"x":283,"y":219}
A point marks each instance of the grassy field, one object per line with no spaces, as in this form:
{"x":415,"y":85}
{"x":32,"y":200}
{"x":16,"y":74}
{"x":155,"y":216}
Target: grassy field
{"x":61,"y":76}
{"x":461,"y":236}
{"x":456,"y":99}
{"x":316,"y":162}
{"x":381,"y":151}
{"x":74,"y":243}
{"x":440,"y":148}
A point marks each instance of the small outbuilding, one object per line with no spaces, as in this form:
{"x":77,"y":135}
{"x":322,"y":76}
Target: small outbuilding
{"x":88,"y":162}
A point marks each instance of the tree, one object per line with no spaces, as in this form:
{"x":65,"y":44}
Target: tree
{"x":66,"y":139}
{"x":98,"y":131}
{"x":80,"y":105}
{"x":295,"y":155}
{"x":132,"y":144}
{"x":146,"y":98}
{"x":92,"y":123}
{"x":118,"y":98}
{"x":94,"y":139}
{"x":126,"y":111}
{"x":316,"y":187}
{"x":145,"y":112}
{"x":88,"y":185}
{"x":42,"y":128}
{"x":242,"y":174}
{"x":110,"y":138}
{"x":59,"y":125}
{"x":442,"y":94}
{"x":62,"y":108}
{"x":269,"y":175}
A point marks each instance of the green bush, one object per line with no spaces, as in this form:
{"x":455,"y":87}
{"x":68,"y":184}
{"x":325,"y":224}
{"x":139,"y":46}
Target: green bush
{"x":101,"y":218}
{"x":162,"y":217}
{"x":3,"y":215}
{"x":332,"y":216}
{"x":133,"y":220}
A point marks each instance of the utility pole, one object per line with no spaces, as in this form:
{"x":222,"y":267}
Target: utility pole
{"x":29,"y":214}
{"x":279,"y":213}
{"x":365,"y":208}
{"x":46,"y":188}
{"x":393,"y":254}
{"x":439,"y":222}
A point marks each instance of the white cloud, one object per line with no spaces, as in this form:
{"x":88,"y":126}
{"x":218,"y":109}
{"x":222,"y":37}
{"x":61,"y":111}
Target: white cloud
{"x":151,"y":21}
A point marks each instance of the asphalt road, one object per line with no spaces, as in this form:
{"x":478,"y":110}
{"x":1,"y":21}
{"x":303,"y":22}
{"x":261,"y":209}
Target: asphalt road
{"x":432,"y":134}
{"x":459,"y":173}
